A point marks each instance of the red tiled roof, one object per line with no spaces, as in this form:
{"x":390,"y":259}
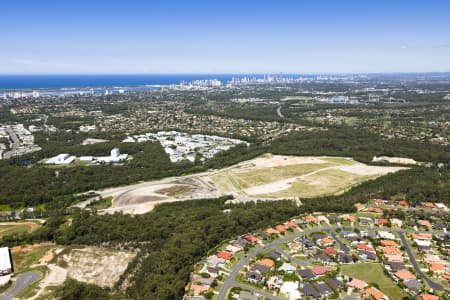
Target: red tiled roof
{"x":280,"y":228}
{"x":310,"y":219}
{"x":365,"y":248}
{"x":265,"y":262}
{"x":272,"y":231}
{"x":390,"y":250}
{"x":422,"y":236}
{"x":383,"y":221}
{"x":375,"y":210}
{"x":403,"y":203}
{"x":377,"y":294}
{"x":357,"y":284}
{"x":251,"y":238}
{"x":330,"y":251}
{"x":225,"y":255}
{"x":320,"y":270}
{"x":405,"y":275}
{"x":388,"y":243}
{"x":326,"y":240}
{"x":437,"y":267}
{"x":429,"y":297}
{"x":425,"y":223}
{"x":294,"y":245}
{"x":290,"y":224}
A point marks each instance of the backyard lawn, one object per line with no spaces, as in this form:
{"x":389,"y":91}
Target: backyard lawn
{"x":373,"y":273}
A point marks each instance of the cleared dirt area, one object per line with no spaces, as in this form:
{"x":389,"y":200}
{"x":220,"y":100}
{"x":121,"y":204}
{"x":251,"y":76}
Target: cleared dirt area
{"x":142,"y":198}
{"x":175,"y":190}
{"x":96,"y":265}
{"x":269,"y":161}
{"x":288,"y":177}
{"x":268,"y":177}
{"x":395,"y":160}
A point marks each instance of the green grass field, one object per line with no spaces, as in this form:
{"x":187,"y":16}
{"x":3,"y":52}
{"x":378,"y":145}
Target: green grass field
{"x":13,"y":229}
{"x":327,"y":182}
{"x":243,"y":179}
{"x":17,"y":228}
{"x":5,"y":207}
{"x":373,"y":274}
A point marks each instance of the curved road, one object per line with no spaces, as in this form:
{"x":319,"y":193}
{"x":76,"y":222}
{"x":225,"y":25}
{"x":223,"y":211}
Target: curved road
{"x":431,"y":283}
{"x":230,"y":280}
{"x":279,"y":112}
{"x":343,"y":247}
{"x":22,"y":281}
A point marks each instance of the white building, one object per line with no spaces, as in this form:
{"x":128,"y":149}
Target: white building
{"x":6,"y":265}
{"x":386,"y":235}
{"x":115,"y":157}
{"x":290,"y":289}
{"x":91,"y":141}
{"x":61,"y":159}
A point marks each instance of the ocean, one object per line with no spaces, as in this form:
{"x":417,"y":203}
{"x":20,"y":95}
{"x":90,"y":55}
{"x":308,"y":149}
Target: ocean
{"x":29,"y":82}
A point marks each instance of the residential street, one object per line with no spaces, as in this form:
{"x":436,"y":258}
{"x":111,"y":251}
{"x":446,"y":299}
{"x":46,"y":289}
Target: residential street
{"x":431,"y":283}
{"x":343,"y":247}
{"x":230,"y":281}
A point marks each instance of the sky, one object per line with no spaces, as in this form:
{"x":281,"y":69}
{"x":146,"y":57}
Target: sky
{"x":233,"y":36}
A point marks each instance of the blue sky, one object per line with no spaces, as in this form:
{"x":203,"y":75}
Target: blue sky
{"x":234,"y":36}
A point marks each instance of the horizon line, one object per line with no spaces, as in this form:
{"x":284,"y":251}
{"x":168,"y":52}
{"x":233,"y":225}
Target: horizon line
{"x":227,"y":73}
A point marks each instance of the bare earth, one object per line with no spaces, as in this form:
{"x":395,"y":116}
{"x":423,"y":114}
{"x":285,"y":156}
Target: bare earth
{"x":96,"y":265}
{"x":268,"y":177}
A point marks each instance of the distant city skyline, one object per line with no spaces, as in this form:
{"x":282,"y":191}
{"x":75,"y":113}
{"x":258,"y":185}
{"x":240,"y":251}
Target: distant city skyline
{"x":224,"y":37}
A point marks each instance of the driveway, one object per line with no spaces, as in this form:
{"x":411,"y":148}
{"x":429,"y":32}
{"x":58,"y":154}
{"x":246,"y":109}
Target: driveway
{"x":343,"y":247}
{"x":22,"y":281}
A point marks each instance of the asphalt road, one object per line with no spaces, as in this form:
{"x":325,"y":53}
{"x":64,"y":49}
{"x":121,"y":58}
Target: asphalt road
{"x":22,"y":281}
{"x":299,"y":262}
{"x":257,"y":291}
{"x":231,"y":282}
{"x":432,"y":284}
{"x":15,"y":143}
{"x":343,"y":247}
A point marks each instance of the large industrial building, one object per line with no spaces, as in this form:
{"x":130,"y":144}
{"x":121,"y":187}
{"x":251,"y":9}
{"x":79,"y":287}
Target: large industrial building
{"x":6,"y":264}
{"x":61,"y":159}
{"x":66,"y":159}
